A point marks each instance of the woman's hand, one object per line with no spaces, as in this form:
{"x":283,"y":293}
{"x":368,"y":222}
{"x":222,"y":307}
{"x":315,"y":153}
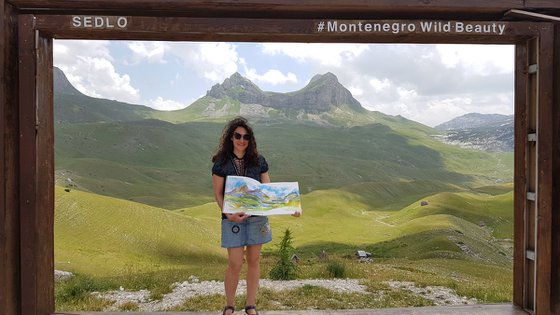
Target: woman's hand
{"x":296,"y":214}
{"x":237,"y":217}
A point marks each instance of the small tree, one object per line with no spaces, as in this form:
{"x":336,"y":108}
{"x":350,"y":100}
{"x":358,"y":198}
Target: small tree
{"x":285,"y":268}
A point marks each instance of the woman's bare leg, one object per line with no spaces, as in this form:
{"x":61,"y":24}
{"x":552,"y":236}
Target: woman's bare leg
{"x":235,"y":262}
{"x":253,"y":257}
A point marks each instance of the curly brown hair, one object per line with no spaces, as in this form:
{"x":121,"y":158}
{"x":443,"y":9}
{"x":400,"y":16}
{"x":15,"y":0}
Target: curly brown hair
{"x":225,"y":149}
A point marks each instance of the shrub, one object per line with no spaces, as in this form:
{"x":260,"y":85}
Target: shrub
{"x":285,"y":268}
{"x":336,"y":269}
{"x":79,"y":287}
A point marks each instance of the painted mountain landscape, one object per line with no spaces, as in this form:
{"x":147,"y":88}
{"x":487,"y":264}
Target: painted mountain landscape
{"x":135,"y":213}
{"x":243,"y":194}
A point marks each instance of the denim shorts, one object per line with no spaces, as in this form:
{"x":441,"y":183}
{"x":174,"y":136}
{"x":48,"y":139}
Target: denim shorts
{"x":253,"y":231}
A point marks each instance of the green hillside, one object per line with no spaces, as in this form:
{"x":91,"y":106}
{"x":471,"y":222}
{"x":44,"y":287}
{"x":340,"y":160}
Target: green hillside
{"x":494,"y":212}
{"x":82,"y":108}
{"x":148,"y":161}
{"x":102,"y":236}
{"x":168,"y":165}
{"x":342,"y":221}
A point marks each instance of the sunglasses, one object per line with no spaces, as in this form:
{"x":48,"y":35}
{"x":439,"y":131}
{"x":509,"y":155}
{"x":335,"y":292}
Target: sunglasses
{"x":239,"y":136}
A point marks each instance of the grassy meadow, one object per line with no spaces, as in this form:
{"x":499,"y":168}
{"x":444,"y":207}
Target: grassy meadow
{"x":111,"y":242}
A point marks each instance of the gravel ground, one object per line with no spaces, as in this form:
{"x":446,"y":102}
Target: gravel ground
{"x":194,"y":287}
{"x":439,"y":295}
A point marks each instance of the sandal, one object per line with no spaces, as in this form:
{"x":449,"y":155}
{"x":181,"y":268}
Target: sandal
{"x":228,"y":308}
{"x":251,"y":307}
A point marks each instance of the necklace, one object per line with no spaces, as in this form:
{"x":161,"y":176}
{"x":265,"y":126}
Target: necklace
{"x":239,"y":165}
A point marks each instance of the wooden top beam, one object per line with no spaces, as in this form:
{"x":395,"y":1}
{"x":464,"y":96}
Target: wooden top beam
{"x":277,"y":30}
{"x":372,"y":9}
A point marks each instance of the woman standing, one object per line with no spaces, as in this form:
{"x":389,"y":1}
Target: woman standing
{"x":242,"y":234}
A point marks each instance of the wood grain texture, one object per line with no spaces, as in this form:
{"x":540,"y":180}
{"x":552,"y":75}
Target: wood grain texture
{"x":27,"y":158}
{"x":555,"y":294}
{"x":269,"y":30}
{"x":520,"y":179}
{"x":37,"y":177}
{"x":544,"y":164}
{"x":9,"y":200}
{"x":472,"y":9}
{"x":27,"y":125}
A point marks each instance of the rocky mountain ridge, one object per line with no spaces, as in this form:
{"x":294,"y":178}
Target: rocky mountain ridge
{"x":475,"y":120}
{"x":487,"y":132}
{"x":322,"y":94}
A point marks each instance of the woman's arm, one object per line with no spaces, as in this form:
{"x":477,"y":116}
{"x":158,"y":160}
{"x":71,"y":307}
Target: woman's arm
{"x":265,"y":178}
{"x":218,"y":185}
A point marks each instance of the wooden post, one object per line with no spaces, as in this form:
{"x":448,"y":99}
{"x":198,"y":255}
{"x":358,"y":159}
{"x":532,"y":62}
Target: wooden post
{"x":520,"y":178}
{"x":544,"y":176}
{"x":37,"y":177}
{"x":10,"y":299}
{"x":555,"y":300}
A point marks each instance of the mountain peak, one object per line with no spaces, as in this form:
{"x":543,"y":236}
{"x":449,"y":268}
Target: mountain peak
{"x":61,"y":83}
{"x":321,"y":94}
{"x":325,"y":91}
{"x":237,"y":87}
{"x":327,"y":77}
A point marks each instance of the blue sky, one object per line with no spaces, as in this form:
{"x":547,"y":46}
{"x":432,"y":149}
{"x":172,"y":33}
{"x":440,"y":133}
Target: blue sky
{"x":430,"y":84}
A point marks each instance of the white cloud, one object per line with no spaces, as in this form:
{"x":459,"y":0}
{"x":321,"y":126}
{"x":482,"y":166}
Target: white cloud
{"x":153,"y":52}
{"x":323,"y":54}
{"x":481,"y":59}
{"x":89,"y":67}
{"x":379,"y":85}
{"x":162,"y":104}
{"x":356,"y":91}
{"x":213,"y":61}
{"x":272,"y":76}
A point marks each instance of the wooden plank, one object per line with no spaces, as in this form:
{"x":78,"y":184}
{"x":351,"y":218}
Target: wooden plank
{"x":545,"y":180}
{"x":533,"y":15}
{"x":27,"y":173}
{"x":537,"y":4}
{"x":531,"y":173}
{"x":36,"y":211}
{"x":386,"y":9}
{"x":37,"y":171}
{"x":9,"y":219}
{"x":520,"y":179}
{"x":532,"y":176}
{"x":317,"y":6}
{"x":492,"y":309}
{"x":277,"y":30}
{"x":555,"y":294}
{"x":6,"y":234}
{"x":44,"y":241}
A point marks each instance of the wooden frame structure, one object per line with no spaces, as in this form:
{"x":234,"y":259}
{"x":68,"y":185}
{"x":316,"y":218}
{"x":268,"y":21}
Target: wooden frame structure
{"x":27,"y":28}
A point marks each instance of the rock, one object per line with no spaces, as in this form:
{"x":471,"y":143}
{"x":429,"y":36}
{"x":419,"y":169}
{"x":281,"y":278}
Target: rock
{"x":62,"y":275}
